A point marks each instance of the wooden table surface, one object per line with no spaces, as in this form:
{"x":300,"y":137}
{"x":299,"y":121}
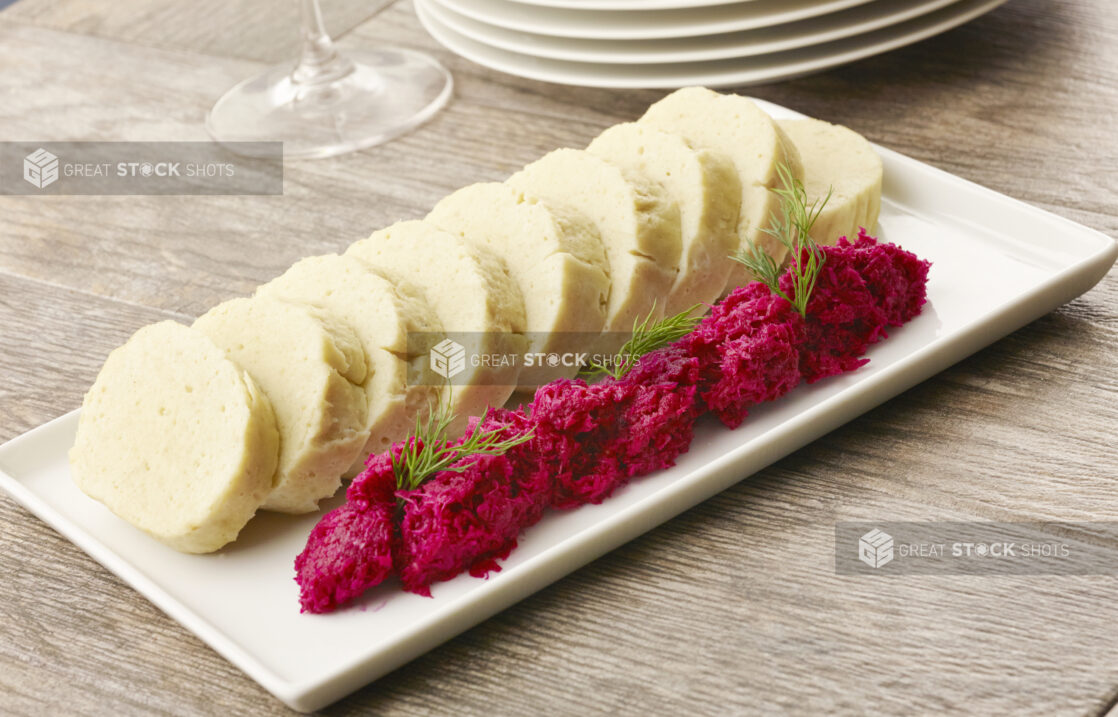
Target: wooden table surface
{"x":733,"y":607}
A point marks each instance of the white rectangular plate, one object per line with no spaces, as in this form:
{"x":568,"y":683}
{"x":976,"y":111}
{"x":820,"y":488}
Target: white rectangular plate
{"x":997,"y":264}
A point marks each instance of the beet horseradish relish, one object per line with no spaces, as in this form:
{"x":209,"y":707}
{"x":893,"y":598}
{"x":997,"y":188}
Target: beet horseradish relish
{"x":576,"y":442}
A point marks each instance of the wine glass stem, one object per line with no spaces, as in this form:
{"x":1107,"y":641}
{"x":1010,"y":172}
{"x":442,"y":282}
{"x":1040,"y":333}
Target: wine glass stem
{"x":319,"y":62}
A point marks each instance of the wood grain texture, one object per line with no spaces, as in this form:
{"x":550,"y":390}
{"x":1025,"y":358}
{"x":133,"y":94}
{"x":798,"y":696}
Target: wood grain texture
{"x":70,"y":645}
{"x":262,"y":30}
{"x":733,"y":607}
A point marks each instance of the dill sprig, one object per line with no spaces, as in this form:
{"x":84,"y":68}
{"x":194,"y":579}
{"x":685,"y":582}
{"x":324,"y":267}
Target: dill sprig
{"x":793,"y":230}
{"x":647,"y":338}
{"x":429,"y":451}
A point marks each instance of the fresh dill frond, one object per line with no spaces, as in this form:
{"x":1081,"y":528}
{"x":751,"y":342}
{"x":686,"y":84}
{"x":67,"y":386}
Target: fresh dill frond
{"x":647,"y":338}
{"x":432,"y":452}
{"x":793,"y":230}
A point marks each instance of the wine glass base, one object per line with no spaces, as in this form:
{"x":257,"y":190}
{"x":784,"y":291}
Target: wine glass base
{"x":388,"y":92}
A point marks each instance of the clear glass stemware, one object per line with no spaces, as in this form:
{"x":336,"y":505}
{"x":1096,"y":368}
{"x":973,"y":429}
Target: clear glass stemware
{"x":332,"y":102}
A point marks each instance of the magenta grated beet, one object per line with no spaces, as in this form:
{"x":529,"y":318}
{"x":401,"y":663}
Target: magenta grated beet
{"x":748,"y":349}
{"x":589,"y":439}
{"x":863,"y":288}
{"x":659,"y":419}
{"x":461,"y":521}
{"x":576,"y":425}
{"x":469,"y":520}
{"x":594,"y":437}
{"x":348,"y":552}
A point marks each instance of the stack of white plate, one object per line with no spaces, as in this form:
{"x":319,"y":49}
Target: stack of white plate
{"x":675,"y":43}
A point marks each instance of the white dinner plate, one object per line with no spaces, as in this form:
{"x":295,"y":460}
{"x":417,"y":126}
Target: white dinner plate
{"x":630,"y":5}
{"x":735,"y":72}
{"x":997,"y":265}
{"x":651,"y":24}
{"x":789,"y":36}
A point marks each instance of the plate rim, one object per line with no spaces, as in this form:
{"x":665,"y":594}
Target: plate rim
{"x":628,"y":4}
{"x":613,"y":52}
{"x":666,"y":27}
{"x":893,"y":37}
